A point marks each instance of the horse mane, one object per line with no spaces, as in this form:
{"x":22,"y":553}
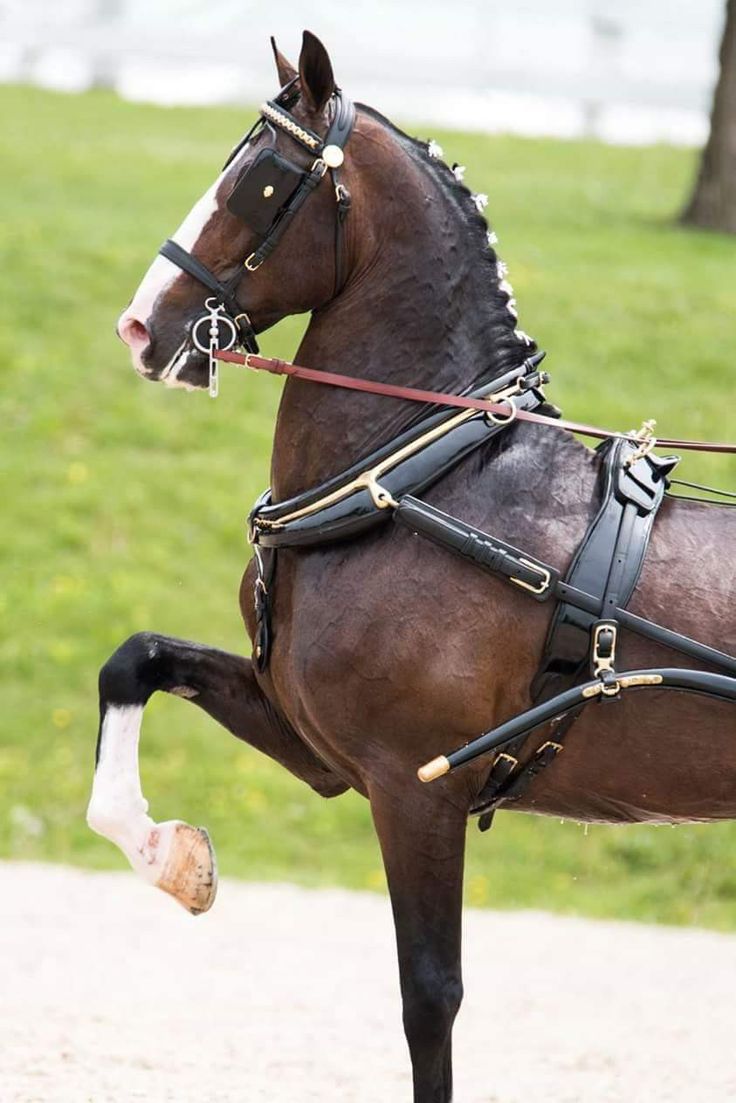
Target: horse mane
{"x":511,"y":344}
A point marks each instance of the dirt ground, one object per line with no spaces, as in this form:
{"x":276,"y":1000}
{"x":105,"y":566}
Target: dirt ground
{"x":109,"y":993}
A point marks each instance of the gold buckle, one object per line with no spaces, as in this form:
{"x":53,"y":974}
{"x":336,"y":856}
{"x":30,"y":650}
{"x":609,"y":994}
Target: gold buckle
{"x":603,"y":663}
{"x":542,"y":586}
{"x":508,"y":757}
{"x":550,"y":743}
{"x":252,"y":267}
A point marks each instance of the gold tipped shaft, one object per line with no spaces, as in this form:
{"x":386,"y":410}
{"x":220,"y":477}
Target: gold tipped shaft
{"x":434,"y":769}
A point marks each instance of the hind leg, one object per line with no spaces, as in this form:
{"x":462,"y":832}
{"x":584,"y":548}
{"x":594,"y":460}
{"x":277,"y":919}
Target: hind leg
{"x":174,"y":856}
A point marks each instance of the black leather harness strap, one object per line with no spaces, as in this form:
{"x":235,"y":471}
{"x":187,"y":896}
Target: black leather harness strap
{"x":607,"y":565}
{"x":225,"y":292}
{"x":606,"y":568}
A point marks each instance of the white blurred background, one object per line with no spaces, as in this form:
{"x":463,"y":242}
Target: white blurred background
{"x":634,"y":71}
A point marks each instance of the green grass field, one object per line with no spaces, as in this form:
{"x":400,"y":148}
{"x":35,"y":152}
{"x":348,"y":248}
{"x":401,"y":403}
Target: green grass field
{"x":124,"y":503}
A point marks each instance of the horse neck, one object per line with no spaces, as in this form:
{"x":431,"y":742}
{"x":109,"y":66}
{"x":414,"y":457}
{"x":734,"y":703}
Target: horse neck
{"x":422,"y":308}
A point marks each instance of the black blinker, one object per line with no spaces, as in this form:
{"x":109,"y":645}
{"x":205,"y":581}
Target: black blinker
{"x":263,"y":189}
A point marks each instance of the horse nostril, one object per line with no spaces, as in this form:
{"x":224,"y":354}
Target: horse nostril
{"x":133,"y":332}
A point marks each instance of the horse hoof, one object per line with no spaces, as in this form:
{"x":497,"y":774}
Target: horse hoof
{"x":190,"y":869}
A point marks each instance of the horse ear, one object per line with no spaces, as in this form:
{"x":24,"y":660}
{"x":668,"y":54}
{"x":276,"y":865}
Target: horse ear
{"x":284,"y":68}
{"x":315,"y":72}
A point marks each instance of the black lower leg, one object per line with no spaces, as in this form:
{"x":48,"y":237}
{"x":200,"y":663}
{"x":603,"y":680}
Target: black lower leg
{"x":423,"y":849}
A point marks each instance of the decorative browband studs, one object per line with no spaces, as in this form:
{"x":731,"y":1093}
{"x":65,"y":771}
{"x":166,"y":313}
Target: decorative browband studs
{"x":281,"y":119}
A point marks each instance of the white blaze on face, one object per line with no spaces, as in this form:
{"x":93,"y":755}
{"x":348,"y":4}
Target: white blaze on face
{"x":117,"y":809}
{"x":162,"y":273}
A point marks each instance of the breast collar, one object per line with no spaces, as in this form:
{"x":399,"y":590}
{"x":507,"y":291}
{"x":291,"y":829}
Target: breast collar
{"x":362,"y":496}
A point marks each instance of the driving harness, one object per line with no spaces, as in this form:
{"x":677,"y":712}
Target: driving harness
{"x":590,"y":602}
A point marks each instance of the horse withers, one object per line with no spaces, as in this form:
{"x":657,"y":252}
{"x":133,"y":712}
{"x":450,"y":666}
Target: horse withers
{"x":374,"y":655}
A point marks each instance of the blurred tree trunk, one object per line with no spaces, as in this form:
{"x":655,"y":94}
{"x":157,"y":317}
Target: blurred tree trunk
{"x":713,"y":203}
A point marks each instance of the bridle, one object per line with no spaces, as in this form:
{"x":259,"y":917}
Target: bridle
{"x":270,"y":184}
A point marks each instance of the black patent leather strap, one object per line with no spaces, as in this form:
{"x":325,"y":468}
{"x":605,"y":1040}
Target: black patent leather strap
{"x":179,"y":256}
{"x":278,"y":228}
{"x":224,"y":291}
{"x":342,"y":124}
{"x":489,"y":552}
{"x":193,"y":267}
{"x":357,"y":511}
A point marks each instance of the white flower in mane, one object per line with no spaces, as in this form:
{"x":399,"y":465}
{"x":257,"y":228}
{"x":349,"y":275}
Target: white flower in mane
{"x":481,"y":201}
{"x":458,"y":171}
{"x":492,"y":238}
{"x":502,"y":269}
{"x":522,"y":336}
{"x":434,"y":149}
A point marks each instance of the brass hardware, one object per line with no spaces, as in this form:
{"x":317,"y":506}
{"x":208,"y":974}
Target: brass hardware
{"x":382,"y":498}
{"x":550,"y":743}
{"x":542,"y":586}
{"x":251,"y":267}
{"x":333,"y":156}
{"x":434,"y":769}
{"x":623,"y":683}
{"x":268,"y":191}
{"x":603,"y":663}
{"x":647,"y":441}
{"x":647,"y":430}
{"x":320,"y":165}
{"x":641,"y":680}
{"x":509,"y":758}
{"x":502,"y":420}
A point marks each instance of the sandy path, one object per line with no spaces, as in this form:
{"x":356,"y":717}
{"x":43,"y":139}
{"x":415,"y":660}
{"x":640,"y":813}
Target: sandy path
{"x":109,"y":992}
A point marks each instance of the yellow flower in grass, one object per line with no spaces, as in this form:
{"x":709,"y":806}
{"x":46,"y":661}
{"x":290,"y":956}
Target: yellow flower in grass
{"x":77,"y":473}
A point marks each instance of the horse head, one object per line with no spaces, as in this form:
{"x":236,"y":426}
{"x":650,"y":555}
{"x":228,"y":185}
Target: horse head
{"x":281,"y":162}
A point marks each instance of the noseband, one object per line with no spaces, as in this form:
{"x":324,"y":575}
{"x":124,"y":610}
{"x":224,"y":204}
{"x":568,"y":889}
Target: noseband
{"x":271,"y":183}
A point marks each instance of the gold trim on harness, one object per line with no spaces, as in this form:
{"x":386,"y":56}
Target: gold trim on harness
{"x":369,"y":480}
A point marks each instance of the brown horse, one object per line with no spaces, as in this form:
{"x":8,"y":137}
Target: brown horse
{"x":387,"y":650}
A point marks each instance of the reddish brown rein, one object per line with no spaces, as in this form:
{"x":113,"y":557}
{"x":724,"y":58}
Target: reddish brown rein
{"x":412,"y":394}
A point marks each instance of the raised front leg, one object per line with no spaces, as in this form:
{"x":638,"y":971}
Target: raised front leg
{"x":423,"y":846}
{"x":174,"y":856}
